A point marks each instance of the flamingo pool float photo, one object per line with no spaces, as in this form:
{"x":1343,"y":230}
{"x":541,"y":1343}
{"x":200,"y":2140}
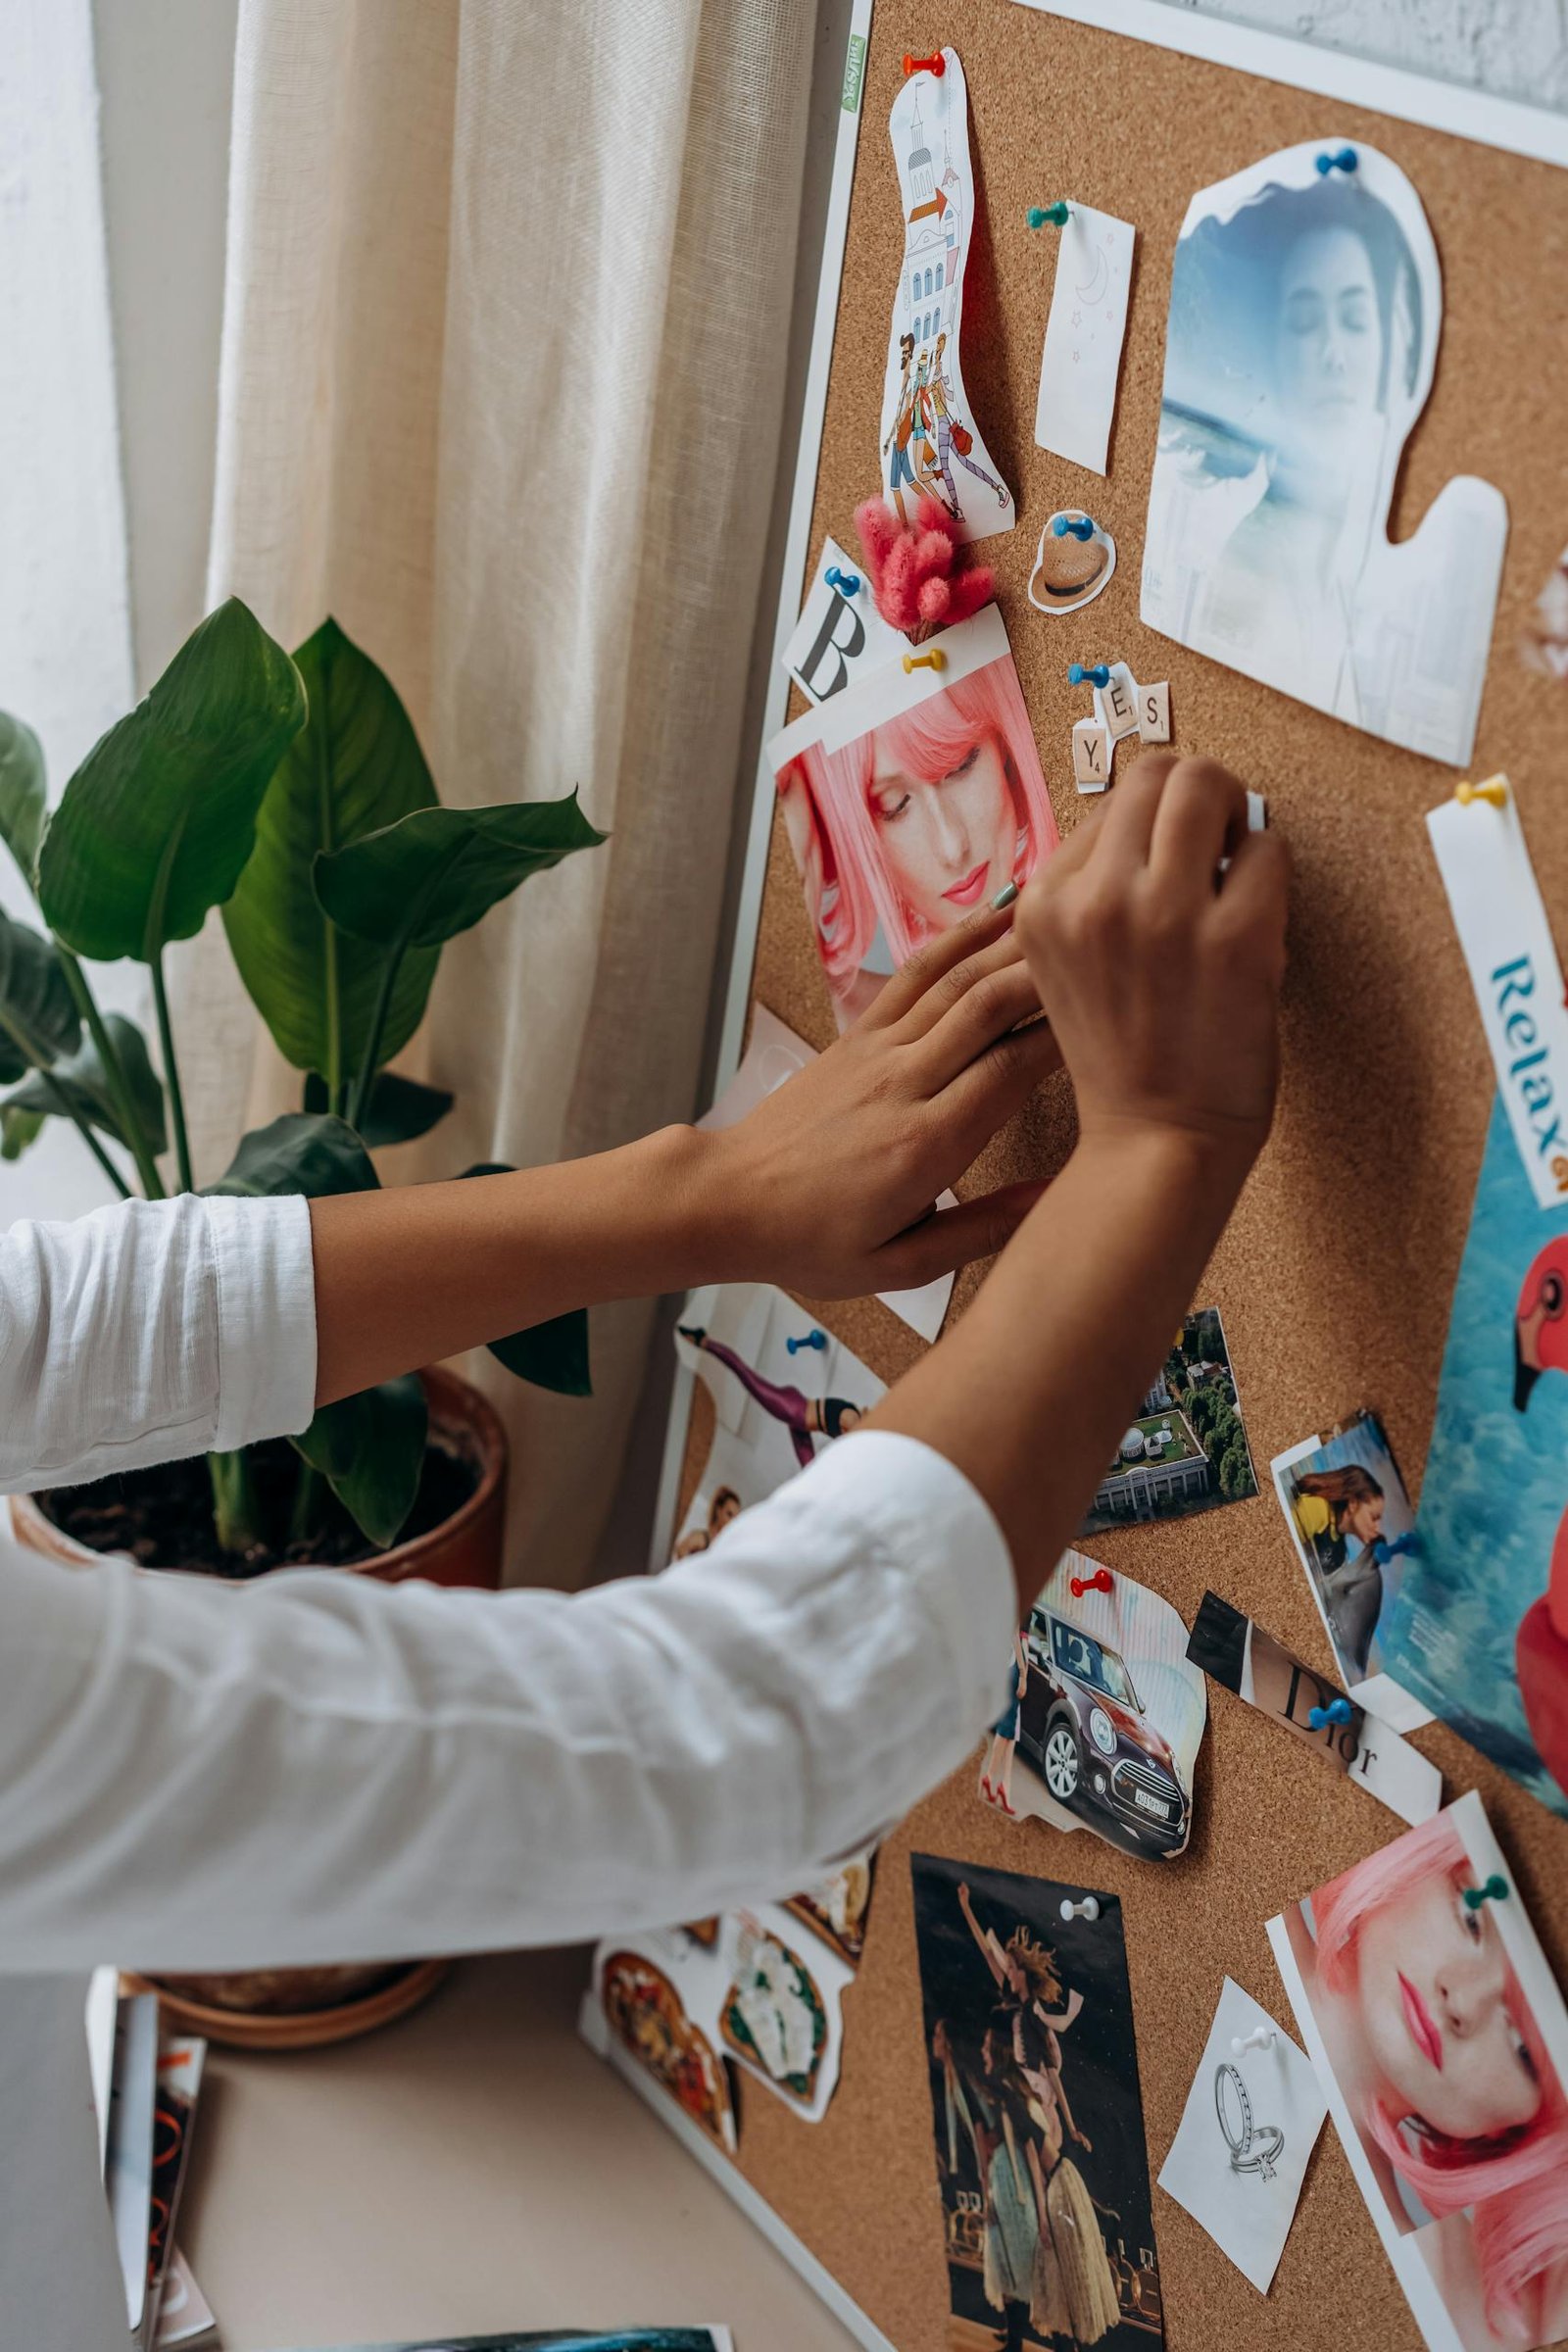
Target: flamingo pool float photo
{"x":1541,"y":1650}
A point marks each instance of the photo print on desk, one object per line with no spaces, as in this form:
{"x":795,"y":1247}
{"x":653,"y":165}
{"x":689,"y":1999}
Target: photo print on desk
{"x":1480,"y":1629}
{"x":1441,"y":2039}
{"x":1187,"y":1449}
{"x":1039,"y":2123}
{"x":910,"y":800}
{"x":928,"y":437}
{"x":564,"y":2339}
{"x":1354,"y":1529}
{"x":1105,"y":1715}
{"x":1305,"y":312}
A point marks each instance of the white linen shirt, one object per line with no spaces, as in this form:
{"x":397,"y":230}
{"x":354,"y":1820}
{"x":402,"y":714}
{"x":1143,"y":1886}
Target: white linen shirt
{"x":316,"y":1767}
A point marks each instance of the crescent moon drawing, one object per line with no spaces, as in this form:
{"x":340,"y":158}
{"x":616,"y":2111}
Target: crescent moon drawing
{"x":1099,"y":280}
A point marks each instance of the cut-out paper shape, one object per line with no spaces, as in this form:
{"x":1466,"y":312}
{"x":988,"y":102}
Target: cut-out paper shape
{"x":1441,"y":2039}
{"x":910,"y":800}
{"x":1187,"y":1449}
{"x":1305,"y":312}
{"x":1250,"y":2125}
{"x":1047,"y":2213}
{"x":1354,"y":1529}
{"x":1070,"y":569}
{"x":1246,"y":1659}
{"x":1480,"y":1629}
{"x":1503,"y":929}
{"x":928,"y":437}
{"x":1105,"y":1717}
{"x":1082,"y":355}
{"x":836,"y":1907}
{"x":779,"y":2017}
{"x":773,"y":1052}
{"x":661,"y":1993}
{"x":551,"y":2339}
{"x":1544,"y":641}
{"x":838,"y":635}
{"x":1091,"y":754}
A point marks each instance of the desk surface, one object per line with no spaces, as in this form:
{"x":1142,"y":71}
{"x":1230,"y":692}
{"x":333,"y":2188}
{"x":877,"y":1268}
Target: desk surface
{"x":473,"y":2167}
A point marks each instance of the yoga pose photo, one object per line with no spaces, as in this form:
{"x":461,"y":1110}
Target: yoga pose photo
{"x":806,"y":1418}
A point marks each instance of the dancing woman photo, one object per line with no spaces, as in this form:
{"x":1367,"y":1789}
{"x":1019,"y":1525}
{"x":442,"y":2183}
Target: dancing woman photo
{"x":804,"y":1419}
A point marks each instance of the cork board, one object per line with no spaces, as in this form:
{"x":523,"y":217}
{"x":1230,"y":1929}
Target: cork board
{"x":1336,"y":1275}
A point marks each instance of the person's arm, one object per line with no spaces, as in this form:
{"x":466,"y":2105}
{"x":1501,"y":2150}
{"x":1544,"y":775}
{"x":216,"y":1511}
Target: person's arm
{"x":1161,"y":979}
{"x":989,"y":1948}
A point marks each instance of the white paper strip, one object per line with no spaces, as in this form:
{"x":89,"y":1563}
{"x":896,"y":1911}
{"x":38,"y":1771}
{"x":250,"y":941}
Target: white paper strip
{"x":1506,"y":938}
{"x":1079,"y":365}
{"x":838,"y":635}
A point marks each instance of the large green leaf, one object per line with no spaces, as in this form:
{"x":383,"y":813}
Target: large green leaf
{"x":436,"y":873}
{"x":81,"y":1079}
{"x":401,"y":1109}
{"x":355,"y":766}
{"x":157,"y":823}
{"x":370,"y":1451}
{"x":20,"y":1130}
{"x":38,"y":1016}
{"x":551,"y":1356}
{"x":300,"y":1153}
{"x":24,"y":800}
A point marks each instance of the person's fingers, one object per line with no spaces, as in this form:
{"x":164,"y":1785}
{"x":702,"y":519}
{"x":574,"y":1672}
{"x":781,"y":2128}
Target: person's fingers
{"x":995,"y":1002}
{"x":911,"y":981}
{"x":953,"y":1236}
{"x":1201,"y":814}
{"x":949,"y":987}
{"x":1126,"y":822}
{"x":999,"y":1083}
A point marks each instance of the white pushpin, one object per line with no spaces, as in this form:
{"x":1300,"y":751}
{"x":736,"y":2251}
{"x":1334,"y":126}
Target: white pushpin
{"x":1089,"y":1908}
{"x":1261,"y":2037}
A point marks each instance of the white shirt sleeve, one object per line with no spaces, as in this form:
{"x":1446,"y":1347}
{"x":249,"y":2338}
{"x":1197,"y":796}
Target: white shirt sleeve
{"x":317,"y":1767}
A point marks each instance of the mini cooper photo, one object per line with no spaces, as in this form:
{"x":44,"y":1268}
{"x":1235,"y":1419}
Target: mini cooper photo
{"x":1085,"y":1731}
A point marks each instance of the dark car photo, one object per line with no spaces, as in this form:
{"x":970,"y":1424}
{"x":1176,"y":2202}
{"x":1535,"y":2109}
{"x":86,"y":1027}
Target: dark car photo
{"x":1085,"y":1731}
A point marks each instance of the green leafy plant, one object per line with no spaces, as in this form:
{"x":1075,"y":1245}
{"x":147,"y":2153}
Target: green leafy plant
{"x":290,"y":792}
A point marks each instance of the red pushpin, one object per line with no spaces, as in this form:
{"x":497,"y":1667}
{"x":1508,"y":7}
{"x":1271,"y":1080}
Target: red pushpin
{"x":937,"y":65}
{"x":1100,"y":1581}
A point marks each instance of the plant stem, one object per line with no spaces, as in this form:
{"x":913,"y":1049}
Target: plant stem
{"x":328,"y":842}
{"x":176,"y":1101}
{"x":68,"y":1110}
{"x":307,"y":1503}
{"x":236,"y":1516}
{"x":360,"y":1102}
{"x":152,"y":1184}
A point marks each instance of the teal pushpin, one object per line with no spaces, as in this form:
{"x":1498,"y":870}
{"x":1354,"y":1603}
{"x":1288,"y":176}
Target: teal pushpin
{"x":1093,"y":674}
{"x":812,"y":1339}
{"x":1337,"y":1710}
{"x":1082,"y":528}
{"x":1342,"y":160}
{"x":848,"y":583}
{"x":1038,"y":214}
{"x":1493,"y":1891}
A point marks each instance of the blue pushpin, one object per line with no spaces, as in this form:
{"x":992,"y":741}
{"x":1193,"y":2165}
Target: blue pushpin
{"x":1082,"y":529}
{"x":848,"y":583}
{"x":812,"y":1339}
{"x":1343,"y":159}
{"x":1337,"y":1710}
{"x":1493,"y":1891}
{"x":1093,"y":674}
{"x":1038,"y":214}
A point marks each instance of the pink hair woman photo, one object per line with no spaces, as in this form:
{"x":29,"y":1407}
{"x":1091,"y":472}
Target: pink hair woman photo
{"x":905,"y":829}
{"x":1441,"y":2058}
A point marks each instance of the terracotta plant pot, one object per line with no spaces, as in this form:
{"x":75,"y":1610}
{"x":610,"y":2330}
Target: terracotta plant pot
{"x":297,"y":2008}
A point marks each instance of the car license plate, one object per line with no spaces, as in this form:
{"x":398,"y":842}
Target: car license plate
{"x":1150,"y":1804}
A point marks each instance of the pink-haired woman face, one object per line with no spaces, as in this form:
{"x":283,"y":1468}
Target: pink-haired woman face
{"x":947,"y":842}
{"x":1441,"y":2011}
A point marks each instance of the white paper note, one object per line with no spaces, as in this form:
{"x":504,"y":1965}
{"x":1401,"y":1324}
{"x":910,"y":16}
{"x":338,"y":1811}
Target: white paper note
{"x":1270,"y":2102}
{"x":1506,"y":938}
{"x":838,"y":635}
{"x":1083,"y":337}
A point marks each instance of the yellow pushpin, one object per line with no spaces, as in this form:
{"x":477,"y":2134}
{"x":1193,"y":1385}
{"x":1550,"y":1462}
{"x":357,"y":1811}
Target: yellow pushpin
{"x":1495,"y":790}
{"x":935,"y":660}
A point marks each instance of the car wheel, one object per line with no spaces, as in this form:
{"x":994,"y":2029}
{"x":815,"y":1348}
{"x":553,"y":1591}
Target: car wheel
{"x":1063,"y":1770}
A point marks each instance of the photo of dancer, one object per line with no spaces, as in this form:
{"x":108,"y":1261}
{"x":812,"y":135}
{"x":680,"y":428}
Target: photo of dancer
{"x":1037,"y":2113}
{"x":1439,"y":2035}
{"x":909,"y":799}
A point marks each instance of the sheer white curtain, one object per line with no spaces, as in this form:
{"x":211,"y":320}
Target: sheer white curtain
{"x":504,"y":343}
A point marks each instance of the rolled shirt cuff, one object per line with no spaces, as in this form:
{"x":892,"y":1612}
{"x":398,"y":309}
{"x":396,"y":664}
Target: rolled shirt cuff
{"x":265,"y":1274}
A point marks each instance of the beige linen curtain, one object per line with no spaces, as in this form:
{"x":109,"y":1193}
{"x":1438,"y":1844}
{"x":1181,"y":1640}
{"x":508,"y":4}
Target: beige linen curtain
{"x":507,"y":305}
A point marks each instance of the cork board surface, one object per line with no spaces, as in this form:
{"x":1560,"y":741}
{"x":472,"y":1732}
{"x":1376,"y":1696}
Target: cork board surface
{"x":1336,"y":1276}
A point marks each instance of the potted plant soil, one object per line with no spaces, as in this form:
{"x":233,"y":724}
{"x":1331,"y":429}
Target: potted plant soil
{"x":292,"y":794}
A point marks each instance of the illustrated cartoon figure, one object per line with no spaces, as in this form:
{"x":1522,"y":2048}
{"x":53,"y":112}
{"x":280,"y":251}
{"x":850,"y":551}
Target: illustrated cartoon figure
{"x":806,"y":1418}
{"x":954,"y":437}
{"x":1541,"y":1651}
{"x":901,"y":472}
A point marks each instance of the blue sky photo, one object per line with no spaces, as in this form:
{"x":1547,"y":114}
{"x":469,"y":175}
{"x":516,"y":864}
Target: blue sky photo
{"x":1495,"y":1486}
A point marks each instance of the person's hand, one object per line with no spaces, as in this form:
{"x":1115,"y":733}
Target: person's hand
{"x":1161,"y":976}
{"x":828,"y":1186}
